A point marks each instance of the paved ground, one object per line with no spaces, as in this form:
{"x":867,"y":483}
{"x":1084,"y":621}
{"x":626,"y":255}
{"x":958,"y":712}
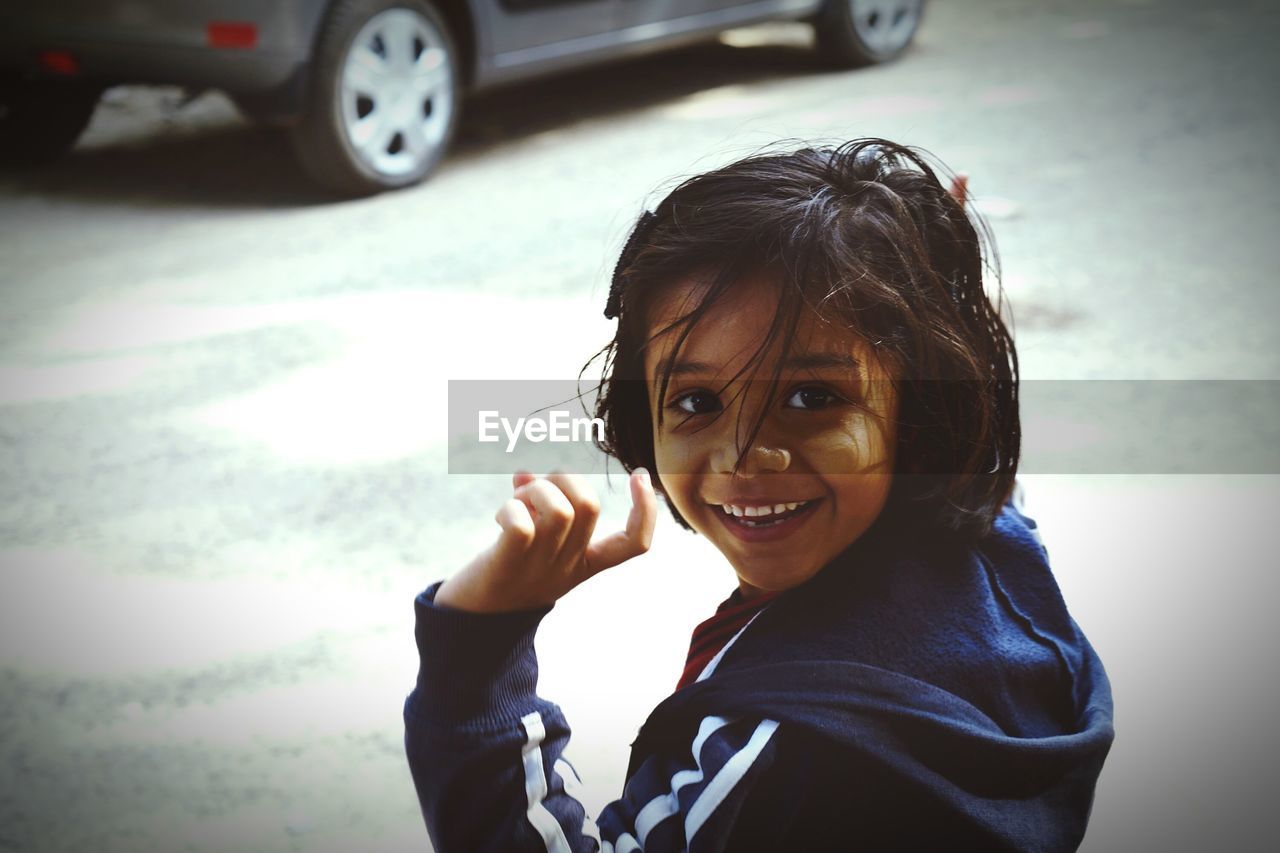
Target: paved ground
{"x":223,"y":397}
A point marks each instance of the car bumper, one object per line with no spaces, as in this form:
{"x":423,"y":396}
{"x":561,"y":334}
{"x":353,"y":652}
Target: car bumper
{"x":234,"y":45}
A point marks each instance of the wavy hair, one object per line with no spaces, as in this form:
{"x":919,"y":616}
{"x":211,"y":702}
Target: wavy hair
{"x":865,"y":234}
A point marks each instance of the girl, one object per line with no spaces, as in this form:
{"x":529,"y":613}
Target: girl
{"x":806,"y":358}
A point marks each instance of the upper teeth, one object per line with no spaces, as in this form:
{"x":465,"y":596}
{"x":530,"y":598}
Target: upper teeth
{"x":753,"y":511}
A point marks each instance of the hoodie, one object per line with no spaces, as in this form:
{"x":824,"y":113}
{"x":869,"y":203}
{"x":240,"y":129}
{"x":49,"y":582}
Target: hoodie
{"x":915,"y":694}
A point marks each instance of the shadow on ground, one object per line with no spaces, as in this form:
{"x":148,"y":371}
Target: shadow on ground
{"x":240,"y":165}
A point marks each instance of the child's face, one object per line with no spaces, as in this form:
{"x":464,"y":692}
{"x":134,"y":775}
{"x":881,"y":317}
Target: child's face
{"x":814,"y":447}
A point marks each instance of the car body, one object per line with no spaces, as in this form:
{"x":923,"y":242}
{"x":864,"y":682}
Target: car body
{"x":287,"y":60}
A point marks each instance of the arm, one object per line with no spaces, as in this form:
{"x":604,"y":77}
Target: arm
{"x":484,"y":750}
{"x":486,"y":753}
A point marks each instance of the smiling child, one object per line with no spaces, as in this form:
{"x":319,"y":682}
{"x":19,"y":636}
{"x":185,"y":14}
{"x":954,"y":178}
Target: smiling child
{"x":806,"y":488}
{"x":807,"y":360}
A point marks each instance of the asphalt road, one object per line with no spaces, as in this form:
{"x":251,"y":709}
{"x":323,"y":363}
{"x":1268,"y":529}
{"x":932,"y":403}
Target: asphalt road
{"x":222,"y":400}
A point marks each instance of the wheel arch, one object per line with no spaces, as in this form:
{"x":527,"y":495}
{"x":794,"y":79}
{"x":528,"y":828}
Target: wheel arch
{"x":462,"y":27}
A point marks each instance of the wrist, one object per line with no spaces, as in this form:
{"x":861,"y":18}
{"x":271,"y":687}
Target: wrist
{"x":467,"y":592}
{"x":474,"y":668}
{"x":460,"y":592}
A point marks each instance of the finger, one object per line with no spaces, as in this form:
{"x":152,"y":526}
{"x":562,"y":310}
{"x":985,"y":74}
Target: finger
{"x":517,"y":535}
{"x":586,"y":508}
{"x":960,"y":188}
{"x":522,"y":478}
{"x":638,"y":535}
{"x":644,"y":510}
{"x":552,"y":517}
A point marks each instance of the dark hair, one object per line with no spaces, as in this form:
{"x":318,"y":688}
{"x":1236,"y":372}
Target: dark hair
{"x":867,"y":235}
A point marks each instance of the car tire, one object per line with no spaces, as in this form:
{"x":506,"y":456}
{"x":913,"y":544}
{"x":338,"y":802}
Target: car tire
{"x":384,"y":97}
{"x":855,"y":33}
{"x":41,"y":119}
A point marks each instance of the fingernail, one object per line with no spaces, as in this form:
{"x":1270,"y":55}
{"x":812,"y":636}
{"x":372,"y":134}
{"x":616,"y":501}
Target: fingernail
{"x":644,"y":474}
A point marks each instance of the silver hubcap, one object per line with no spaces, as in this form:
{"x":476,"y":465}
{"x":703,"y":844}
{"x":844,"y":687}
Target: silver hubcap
{"x":885,"y":25}
{"x":397,"y":92}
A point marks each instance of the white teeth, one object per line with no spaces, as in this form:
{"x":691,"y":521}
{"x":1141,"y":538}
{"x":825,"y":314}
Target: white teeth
{"x":758,"y":511}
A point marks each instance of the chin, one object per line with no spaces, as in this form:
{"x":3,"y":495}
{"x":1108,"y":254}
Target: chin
{"x":772,"y":576}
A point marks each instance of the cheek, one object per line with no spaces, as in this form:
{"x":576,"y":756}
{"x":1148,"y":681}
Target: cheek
{"x":677,"y":458}
{"x":677,"y":452}
{"x":681,"y":491}
{"x":857,"y":462}
{"x":858,"y":444}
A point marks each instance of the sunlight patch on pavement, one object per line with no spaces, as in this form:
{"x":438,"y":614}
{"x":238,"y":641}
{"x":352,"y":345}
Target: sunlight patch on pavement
{"x":334,"y":706}
{"x":39,"y":383}
{"x":59,"y":613}
{"x":996,"y":208}
{"x":868,"y":107}
{"x":132,"y":325}
{"x":326,"y":798}
{"x":386,"y":397}
{"x":789,"y":33}
{"x":376,"y":404}
{"x":132,"y":115}
{"x":383,"y":398}
{"x":721,"y":102}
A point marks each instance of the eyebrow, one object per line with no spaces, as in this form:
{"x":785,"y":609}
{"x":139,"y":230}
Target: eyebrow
{"x":807,"y":361}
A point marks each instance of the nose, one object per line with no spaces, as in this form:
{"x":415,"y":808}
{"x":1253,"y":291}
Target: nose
{"x":759,"y":459}
{"x":742,"y":420}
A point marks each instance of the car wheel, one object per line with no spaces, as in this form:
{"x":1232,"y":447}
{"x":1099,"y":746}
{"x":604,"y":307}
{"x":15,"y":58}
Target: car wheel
{"x":40,"y":119}
{"x":384,"y":98}
{"x":853,"y":33}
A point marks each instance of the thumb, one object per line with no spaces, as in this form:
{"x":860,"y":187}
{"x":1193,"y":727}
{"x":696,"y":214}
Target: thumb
{"x":638,"y":535}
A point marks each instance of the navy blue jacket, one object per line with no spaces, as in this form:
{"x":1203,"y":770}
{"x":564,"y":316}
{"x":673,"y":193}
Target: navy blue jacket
{"x":913,"y":695}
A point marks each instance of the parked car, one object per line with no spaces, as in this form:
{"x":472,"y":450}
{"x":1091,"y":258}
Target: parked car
{"x":370,"y":89}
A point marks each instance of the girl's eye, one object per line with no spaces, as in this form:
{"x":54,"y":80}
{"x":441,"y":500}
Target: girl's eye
{"x":811,"y":397}
{"x":696,"y":403}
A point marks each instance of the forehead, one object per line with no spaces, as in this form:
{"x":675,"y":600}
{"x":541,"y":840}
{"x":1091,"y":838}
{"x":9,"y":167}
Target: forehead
{"x":731,"y":332}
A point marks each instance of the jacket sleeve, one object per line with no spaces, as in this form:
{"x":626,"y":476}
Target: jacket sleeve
{"x":487,"y":754}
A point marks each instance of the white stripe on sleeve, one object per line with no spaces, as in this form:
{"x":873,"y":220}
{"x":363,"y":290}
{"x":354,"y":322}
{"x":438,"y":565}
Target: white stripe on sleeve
{"x":573,"y":789}
{"x":535,"y":786}
{"x":626,"y":844}
{"x":665,"y":805}
{"x":729,"y":776}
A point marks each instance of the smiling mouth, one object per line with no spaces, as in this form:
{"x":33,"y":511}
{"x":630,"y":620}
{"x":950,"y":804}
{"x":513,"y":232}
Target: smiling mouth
{"x":764,"y":516}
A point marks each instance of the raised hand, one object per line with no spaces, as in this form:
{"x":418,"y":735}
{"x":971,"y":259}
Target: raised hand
{"x":545,"y":547}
